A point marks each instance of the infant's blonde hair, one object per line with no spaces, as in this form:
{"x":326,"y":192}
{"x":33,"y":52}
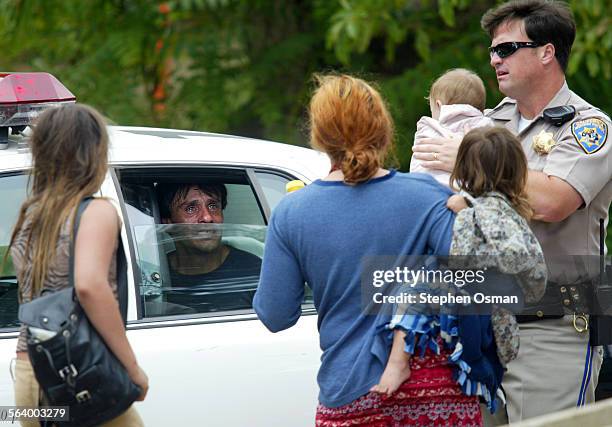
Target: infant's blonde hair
{"x":459,"y":86}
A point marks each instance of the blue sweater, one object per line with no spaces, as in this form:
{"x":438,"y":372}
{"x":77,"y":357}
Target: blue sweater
{"x":320,"y":235}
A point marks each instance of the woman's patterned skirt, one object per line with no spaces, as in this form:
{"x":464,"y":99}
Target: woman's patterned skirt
{"x":430,"y":397}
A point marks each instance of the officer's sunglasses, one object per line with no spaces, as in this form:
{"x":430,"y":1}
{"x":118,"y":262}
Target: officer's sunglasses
{"x":505,"y":49}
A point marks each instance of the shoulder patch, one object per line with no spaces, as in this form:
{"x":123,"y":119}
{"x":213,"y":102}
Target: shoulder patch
{"x":590,"y":134}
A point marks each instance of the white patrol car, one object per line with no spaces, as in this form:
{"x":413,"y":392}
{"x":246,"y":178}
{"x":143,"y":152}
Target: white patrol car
{"x":214,"y":365}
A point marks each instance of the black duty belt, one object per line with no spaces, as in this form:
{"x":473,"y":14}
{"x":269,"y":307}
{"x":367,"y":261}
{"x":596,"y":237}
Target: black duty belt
{"x":558,"y":301}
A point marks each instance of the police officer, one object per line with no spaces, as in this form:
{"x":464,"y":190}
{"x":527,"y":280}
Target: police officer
{"x":569,"y":186}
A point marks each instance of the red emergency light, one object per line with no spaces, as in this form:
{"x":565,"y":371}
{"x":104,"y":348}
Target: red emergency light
{"x":23,"y":96}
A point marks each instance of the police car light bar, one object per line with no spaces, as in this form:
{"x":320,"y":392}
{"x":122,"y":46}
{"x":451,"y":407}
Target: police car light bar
{"x":23,"y":96}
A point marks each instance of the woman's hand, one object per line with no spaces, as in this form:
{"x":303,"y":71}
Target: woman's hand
{"x":438,"y":153}
{"x":141,"y":379}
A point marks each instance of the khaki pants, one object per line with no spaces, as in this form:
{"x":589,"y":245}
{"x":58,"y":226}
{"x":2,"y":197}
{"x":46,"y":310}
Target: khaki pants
{"x":555,"y":369}
{"x":27,"y":393}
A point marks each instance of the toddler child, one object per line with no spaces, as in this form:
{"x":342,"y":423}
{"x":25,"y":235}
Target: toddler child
{"x":491,"y":228}
{"x":457,"y":101}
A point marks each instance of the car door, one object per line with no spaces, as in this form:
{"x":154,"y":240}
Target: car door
{"x":209,"y":359}
{"x":13,"y":186}
{"x":13,"y":192}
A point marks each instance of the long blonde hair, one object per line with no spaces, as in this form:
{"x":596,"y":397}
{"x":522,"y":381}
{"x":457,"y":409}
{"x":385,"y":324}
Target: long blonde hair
{"x":70,"y":158}
{"x":350,"y":122}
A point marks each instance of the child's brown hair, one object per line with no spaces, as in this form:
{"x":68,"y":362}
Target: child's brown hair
{"x":492,"y":159}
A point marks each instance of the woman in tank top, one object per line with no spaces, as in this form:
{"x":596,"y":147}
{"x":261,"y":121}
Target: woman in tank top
{"x":69,"y":152}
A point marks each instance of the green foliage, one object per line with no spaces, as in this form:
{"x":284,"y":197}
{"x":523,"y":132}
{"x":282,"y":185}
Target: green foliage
{"x":593,"y":44}
{"x":358,"y":22}
{"x":245,"y":66}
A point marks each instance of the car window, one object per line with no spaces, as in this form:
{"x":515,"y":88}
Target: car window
{"x":198,"y":239}
{"x":273,"y":186}
{"x":12,"y":193}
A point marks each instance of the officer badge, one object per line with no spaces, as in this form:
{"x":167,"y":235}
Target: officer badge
{"x":543,"y":142}
{"x":590,"y":134}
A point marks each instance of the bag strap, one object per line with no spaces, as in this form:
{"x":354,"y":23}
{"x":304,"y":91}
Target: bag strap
{"x":75,"y":228}
{"x":120,"y":260}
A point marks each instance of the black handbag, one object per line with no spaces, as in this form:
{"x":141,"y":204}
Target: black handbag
{"x":75,"y":368}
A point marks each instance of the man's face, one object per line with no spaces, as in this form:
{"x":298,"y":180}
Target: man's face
{"x":198,"y":207}
{"x":517,"y":73}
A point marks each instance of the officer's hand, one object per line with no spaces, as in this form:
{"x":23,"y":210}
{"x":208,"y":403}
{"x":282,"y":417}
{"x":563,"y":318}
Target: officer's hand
{"x":437,"y":153}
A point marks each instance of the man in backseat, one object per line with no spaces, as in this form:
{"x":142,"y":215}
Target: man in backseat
{"x":206,"y":274}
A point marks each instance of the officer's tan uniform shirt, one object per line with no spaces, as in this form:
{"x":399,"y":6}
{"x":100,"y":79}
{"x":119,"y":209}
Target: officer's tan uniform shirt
{"x":556,"y":368}
{"x":588,"y":174}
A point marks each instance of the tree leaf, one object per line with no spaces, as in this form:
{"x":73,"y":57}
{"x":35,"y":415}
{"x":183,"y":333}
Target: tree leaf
{"x":447,"y":12}
{"x":592,"y":63}
{"x":574,"y":62}
{"x":351,"y":29}
{"x":422,"y":44}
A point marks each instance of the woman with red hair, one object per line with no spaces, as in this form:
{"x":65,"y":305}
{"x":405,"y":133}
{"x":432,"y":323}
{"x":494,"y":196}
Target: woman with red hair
{"x":321,"y":235}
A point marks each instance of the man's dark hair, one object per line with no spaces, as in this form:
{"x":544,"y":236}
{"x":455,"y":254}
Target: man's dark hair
{"x":545,"y":22}
{"x":170,"y":194}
